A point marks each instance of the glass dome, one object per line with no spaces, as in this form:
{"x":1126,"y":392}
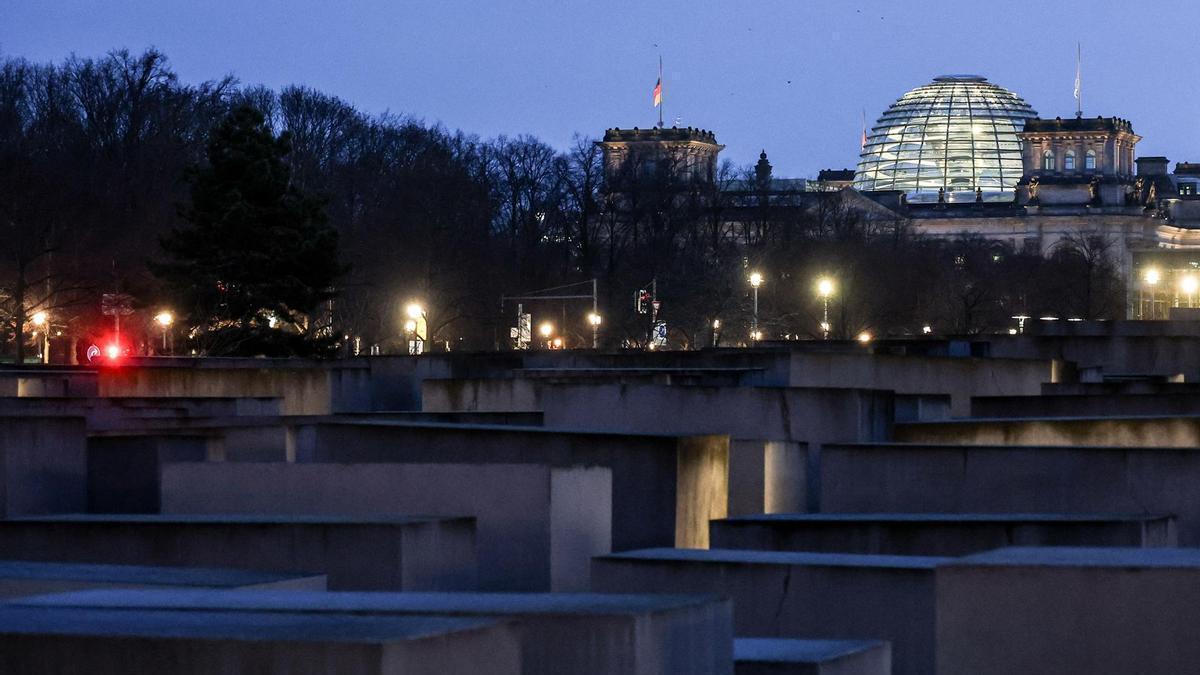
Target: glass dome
{"x":957,"y":133}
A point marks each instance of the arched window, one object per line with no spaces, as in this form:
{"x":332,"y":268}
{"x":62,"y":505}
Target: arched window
{"x":1047,"y":161}
{"x":1089,"y":160}
{"x":1069,"y":161}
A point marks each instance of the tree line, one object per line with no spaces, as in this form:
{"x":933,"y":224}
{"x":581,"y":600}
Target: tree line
{"x":118,"y":178}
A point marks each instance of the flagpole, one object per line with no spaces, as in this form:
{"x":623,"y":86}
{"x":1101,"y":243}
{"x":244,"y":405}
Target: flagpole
{"x":660,"y":107}
{"x":1079,"y":89}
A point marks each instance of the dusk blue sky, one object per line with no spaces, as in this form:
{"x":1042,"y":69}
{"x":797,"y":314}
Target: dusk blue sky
{"x":790,"y":77}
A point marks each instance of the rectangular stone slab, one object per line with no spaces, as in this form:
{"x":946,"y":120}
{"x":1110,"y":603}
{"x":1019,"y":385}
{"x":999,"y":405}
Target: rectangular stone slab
{"x":19,"y":578}
{"x":783,"y":656}
{"x":885,"y":477}
{"x":665,"y":487}
{"x":537,"y":526}
{"x":583,"y":633}
{"x":797,"y":595}
{"x":943,"y":534}
{"x":1069,"y":610}
{"x":103,"y":641}
{"x":356,"y":553}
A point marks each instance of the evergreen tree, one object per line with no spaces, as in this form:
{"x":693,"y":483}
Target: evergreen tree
{"x":257,"y":262}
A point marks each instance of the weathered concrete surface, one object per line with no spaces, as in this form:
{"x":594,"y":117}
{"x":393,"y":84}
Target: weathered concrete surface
{"x":22,"y":578}
{"x":665,"y":488}
{"x":304,"y":388}
{"x":1109,"y":405}
{"x":356,"y":553}
{"x":584,"y":633}
{"x":43,"y":465}
{"x":1161,"y":431}
{"x":537,"y":527}
{"x":47,"y":381}
{"x":1115,"y":353}
{"x":961,"y":378}
{"x":1069,"y":611}
{"x":902,"y":478}
{"x":939,"y":534}
{"x":73,"y":640}
{"x":802,"y":595}
{"x":774,"y":414}
{"x":781,"y":656}
{"x":132,"y":412}
{"x":767,"y":476}
{"x":123,"y":471}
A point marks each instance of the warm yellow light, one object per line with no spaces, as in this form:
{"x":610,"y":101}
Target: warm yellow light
{"x":716,"y":324}
{"x":410,"y":326}
{"x":546,"y":329}
{"x":1152,"y":275}
{"x":164,"y":319}
{"x":414,"y":310}
{"x":927,"y":329}
{"x":558,"y":343}
{"x":864,"y":337}
{"x":1189,"y":284}
{"x":39,"y":319}
{"x":756,"y":335}
{"x":756,"y":279}
{"x":825,"y":287}
{"x":594,"y":319}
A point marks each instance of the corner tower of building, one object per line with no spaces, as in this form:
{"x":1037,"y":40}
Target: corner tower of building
{"x":678,"y":156}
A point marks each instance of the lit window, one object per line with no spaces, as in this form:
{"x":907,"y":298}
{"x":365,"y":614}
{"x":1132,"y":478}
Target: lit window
{"x":1047,"y":161}
{"x":1069,"y":161}
{"x":1187,"y":189}
{"x":1089,"y":160}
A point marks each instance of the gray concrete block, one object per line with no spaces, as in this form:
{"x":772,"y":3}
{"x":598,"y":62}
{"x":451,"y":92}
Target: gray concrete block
{"x":43,"y":465}
{"x":356,"y":553}
{"x":940,"y":534}
{"x":782,"y":656}
{"x":1138,"y":432}
{"x":903,"y":478}
{"x":1069,"y":611}
{"x":797,"y":595}
{"x":98,"y":642}
{"x":579,"y":633}
{"x":665,"y":487}
{"x":21,"y":578}
{"x":536,"y":527}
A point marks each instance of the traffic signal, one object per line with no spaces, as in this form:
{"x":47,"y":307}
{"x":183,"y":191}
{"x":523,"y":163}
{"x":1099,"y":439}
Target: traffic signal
{"x":642,"y":301}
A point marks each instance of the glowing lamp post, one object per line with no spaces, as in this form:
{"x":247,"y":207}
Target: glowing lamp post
{"x":164,"y":319}
{"x":756,"y":280}
{"x":1150,"y":278}
{"x":825,"y":290}
{"x":546,"y":330}
{"x":40,"y":319}
{"x":1189,"y":285}
{"x":413,"y":325}
{"x":595,"y":319}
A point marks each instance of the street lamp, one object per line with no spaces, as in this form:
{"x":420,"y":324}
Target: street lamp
{"x":40,"y":320}
{"x":546,"y":329}
{"x":716,"y":327}
{"x":756,"y":280}
{"x":416,"y":321}
{"x":164,"y":319}
{"x":1189,"y":285}
{"x":825,"y":290}
{"x":594,"y":319}
{"x":864,"y":337}
{"x":1151,"y":278}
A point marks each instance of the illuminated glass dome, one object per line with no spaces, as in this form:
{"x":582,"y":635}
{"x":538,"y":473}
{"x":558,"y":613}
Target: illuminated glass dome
{"x":958,"y":133}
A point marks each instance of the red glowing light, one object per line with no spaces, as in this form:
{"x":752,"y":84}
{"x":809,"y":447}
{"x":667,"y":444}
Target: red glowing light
{"x":113,"y":352}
